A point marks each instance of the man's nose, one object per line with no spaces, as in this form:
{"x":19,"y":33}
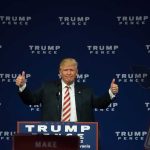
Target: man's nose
{"x":68,"y":71}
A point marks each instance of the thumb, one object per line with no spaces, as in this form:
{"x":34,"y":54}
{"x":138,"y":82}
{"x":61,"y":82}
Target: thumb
{"x":23,"y":73}
{"x":113,"y":81}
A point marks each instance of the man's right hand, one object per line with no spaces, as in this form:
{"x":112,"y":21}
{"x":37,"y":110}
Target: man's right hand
{"x":21,"y":80}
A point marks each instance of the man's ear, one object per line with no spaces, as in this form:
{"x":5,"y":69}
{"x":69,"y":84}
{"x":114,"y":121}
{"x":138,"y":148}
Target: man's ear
{"x":77,"y":72}
{"x":59,"y":73}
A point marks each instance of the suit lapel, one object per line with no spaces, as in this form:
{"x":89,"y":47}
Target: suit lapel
{"x":78,"y":98}
{"x":59,"y":98}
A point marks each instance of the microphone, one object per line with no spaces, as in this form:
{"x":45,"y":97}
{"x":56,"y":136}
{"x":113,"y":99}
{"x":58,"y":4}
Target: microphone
{"x":58,"y":95}
{"x":79,"y":92}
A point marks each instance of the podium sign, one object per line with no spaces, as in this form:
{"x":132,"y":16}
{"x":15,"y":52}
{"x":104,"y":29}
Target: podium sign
{"x":47,"y":142}
{"x":87,"y":131}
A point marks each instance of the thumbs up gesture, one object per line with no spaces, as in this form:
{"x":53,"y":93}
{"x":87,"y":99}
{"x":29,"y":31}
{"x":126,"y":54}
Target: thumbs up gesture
{"x":114,"y":87}
{"x":21,"y":80}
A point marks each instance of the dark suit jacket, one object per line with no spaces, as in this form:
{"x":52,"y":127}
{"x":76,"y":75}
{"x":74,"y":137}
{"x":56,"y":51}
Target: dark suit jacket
{"x":50,"y":96}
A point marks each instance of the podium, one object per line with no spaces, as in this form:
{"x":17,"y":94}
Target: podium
{"x":73,"y":135}
{"x":45,"y":142}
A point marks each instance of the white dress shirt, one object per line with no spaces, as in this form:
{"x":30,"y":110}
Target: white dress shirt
{"x":73,"y":117}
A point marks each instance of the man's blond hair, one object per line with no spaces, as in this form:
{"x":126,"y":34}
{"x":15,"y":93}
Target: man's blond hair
{"x":68,"y":60}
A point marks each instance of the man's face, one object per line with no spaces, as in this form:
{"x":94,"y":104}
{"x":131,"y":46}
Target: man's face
{"x":68,"y":72}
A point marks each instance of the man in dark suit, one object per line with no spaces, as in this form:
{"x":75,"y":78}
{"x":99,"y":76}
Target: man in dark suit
{"x":51,"y":95}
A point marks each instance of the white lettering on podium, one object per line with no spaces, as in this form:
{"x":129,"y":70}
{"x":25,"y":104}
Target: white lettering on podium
{"x":56,"y":128}
{"x":83,"y":128}
{"x":42,"y":128}
{"x":70,"y":129}
{"x":29,"y":127}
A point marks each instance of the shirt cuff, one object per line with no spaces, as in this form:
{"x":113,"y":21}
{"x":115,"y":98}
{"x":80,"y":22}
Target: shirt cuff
{"x":21,"y":89}
{"x":111,"y":94}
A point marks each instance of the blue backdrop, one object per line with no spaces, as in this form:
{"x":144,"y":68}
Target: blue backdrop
{"x":109,"y":39}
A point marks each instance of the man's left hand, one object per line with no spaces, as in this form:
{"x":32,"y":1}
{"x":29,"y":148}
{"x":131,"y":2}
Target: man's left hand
{"x":114,"y":87}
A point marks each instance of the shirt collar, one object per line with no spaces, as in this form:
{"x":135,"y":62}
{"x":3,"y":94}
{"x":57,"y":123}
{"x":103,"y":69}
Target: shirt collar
{"x":64,"y":85}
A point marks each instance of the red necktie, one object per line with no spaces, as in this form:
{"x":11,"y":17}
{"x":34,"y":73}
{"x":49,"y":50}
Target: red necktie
{"x":66,"y":109}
